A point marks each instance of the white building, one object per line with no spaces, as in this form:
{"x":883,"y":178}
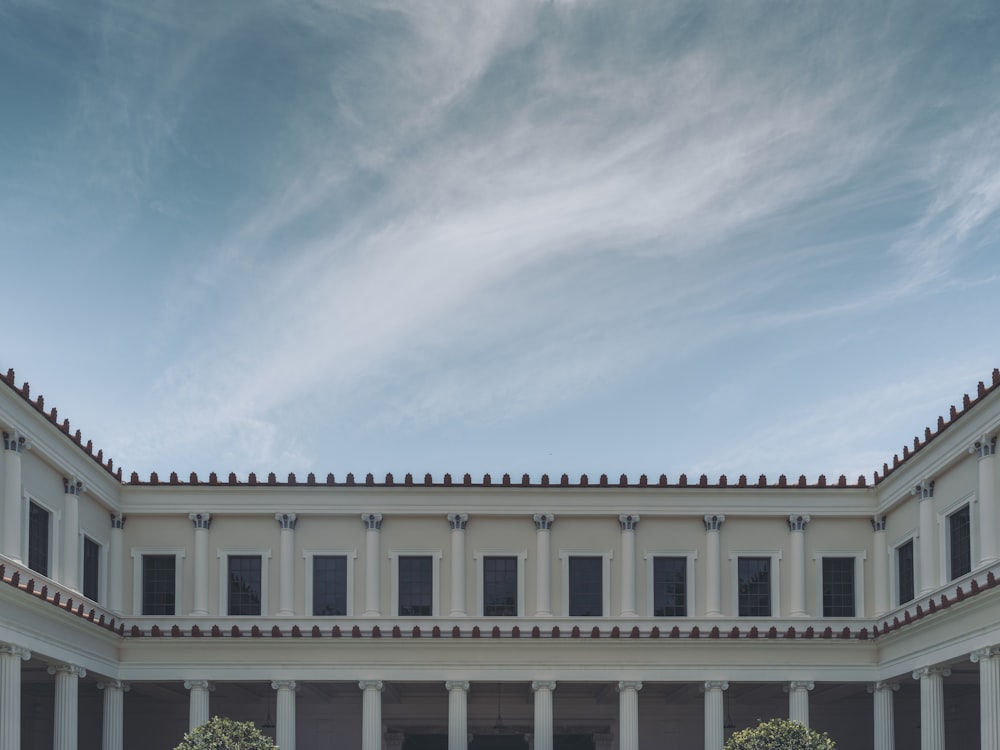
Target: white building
{"x":440,"y":612}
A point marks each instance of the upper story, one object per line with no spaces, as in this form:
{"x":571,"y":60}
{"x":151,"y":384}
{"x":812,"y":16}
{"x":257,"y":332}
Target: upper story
{"x":610,"y":549}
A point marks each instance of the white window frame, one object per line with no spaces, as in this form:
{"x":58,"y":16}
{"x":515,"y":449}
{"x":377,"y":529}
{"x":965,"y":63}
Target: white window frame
{"x":859,"y":578}
{"x":55,"y":549}
{"x":690,"y":556}
{"x":734,"y":578}
{"x":944,"y":535}
{"x":435,"y":555}
{"x":914,"y":536}
{"x":479,"y":556}
{"x":137,"y":554}
{"x":606,"y":557}
{"x":102,"y":563}
{"x":308,"y":554}
{"x":224,"y":554}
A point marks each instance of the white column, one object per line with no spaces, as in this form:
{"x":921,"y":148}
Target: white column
{"x":458,"y":522}
{"x":543,"y":713}
{"x":286,"y":566}
{"x":931,"y":706}
{"x":198,"y":709}
{"x":371,"y":714}
{"x":797,"y":566}
{"x":715,"y":733}
{"x":10,"y":695}
{"x":71,"y":534}
{"x":458,"y":714}
{"x":880,"y":569}
{"x":116,"y":562}
{"x":928,"y":537}
{"x":201,"y":523}
{"x":284,"y":736}
{"x":713,"y":565}
{"x":543,"y":567}
{"x":986,"y":448}
{"x":989,"y":697}
{"x":798,"y":700}
{"x":13,"y":445}
{"x":628,"y":522}
{"x":114,"y":713}
{"x":65,"y":728}
{"x":885,"y":731}
{"x":628,"y":715}
{"x":373,"y":560}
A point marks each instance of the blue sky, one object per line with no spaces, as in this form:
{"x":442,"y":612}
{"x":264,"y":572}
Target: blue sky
{"x":652,"y":236}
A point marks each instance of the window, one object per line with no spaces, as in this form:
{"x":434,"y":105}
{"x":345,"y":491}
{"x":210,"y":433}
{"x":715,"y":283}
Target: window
{"x":586,"y":587}
{"x":159,"y":584}
{"x":38,"y":539}
{"x":329,"y":585}
{"x":754,"y":586}
{"x":244,"y":585}
{"x":91,"y":568}
{"x":905,"y":582}
{"x":838,"y":587}
{"x":500,"y":586}
{"x":670,"y":586}
{"x":416,"y":586}
{"x":959,"y":543}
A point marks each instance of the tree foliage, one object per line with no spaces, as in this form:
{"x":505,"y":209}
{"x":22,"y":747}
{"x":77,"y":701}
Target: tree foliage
{"x":225,"y":734}
{"x":779,"y":734}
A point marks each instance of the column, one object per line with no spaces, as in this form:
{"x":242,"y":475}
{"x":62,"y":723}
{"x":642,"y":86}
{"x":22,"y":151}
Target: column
{"x":10,"y":695}
{"x":713,"y":565}
{"x":931,"y":706}
{"x":628,"y":523}
{"x":201,"y":523}
{"x":458,"y":713}
{"x":628,"y":715}
{"x":65,"y":729}
{"x":284,"y":735}
{"x":543,"y":713}
{"x":373,"y":567}
{"x":885,"y":732}
{"x":797,"y":567}
{"x":371,"y":714}
{"x":543,"y":567}
{"x":71,"y":534}
{"x":715,"y":733}
{"x":286,"y":566}
{"x":989,"y":697}
{"x":458,"y":522}
{"x":928,"y":537}
{"x":13,"y":445}
{"x":880,"y":570}
{"x":986,"y":448}
{"x":114,"y":713}
{"x":116,"y":562}
{"x":798,"y":700}
{"x":198,"y":711}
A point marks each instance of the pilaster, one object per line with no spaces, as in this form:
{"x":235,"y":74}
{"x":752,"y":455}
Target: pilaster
{"x":543,"y":566}
{"x":880,"y":566}
{"x":713,"y":564}
{"x":373,"y":568}
{"x":986,"y":449}
{"x":202,"y":522}
{"x":928,"y":537}
{"x":286,"y":565}
{"x":72,"y":489}
{"x":797,"y":566}
{"x":628,"y":523}
{"x":458,"y":522}
{"x":14,"y":444}
{"x":116,"y":562}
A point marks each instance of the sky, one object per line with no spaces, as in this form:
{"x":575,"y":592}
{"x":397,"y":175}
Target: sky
{"x":722,"y":236}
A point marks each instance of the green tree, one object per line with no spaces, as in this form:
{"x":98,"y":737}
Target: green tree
{"x":779,"y":734}
{"x":225,"y":734}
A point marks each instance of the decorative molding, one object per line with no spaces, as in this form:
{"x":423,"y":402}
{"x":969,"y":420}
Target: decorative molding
{"x":798,"y":685}
{"x":200,"y":684}
{"x":201,"y":520}
{"x":372,"y":521}
{"x":990,"y":652}
{"x":798,"y":523}
{"x":713,"y":522}
{"x":878,"y":523}
{"x":118,"y":520}
{"x":985,"y":447}
{"x":458,"y":521}
{"x":714,"y":685}
{"x":882,"y":686}
{"x":924,"y":672}
{"x":628,"y":521}
{"x":371,"y":684}
{"x":629,"y":685}
{"x":283,"y":684}
{"x":9,"y":649}
{"x":543,"y":521}
{"x":285,"y":520}
{"x":114,"y":685}
{"x":537,"y":685}
{"x":15,"y":442}
{"x":924,"y":489}
{"x":73,"y":486}
{"x":70,"y":669}
{"x":462,"y":685}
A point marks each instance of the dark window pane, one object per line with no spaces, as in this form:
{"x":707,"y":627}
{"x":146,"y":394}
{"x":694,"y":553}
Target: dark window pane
{"x":670,"y":586}
{"x":586,"y":587}
{"x":904,"y":572}
{"x":838,"y":587}
{"x":416,"y":586}
{"x":38,"y":539}
{"x":329,"y":585}
{"x":91,"y":568}
{"x":500,"y":586}
{"x":244,"y":584}
{"x":754,"y":574}
{"x":960,"y":548}
{"x":159,"y":583}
